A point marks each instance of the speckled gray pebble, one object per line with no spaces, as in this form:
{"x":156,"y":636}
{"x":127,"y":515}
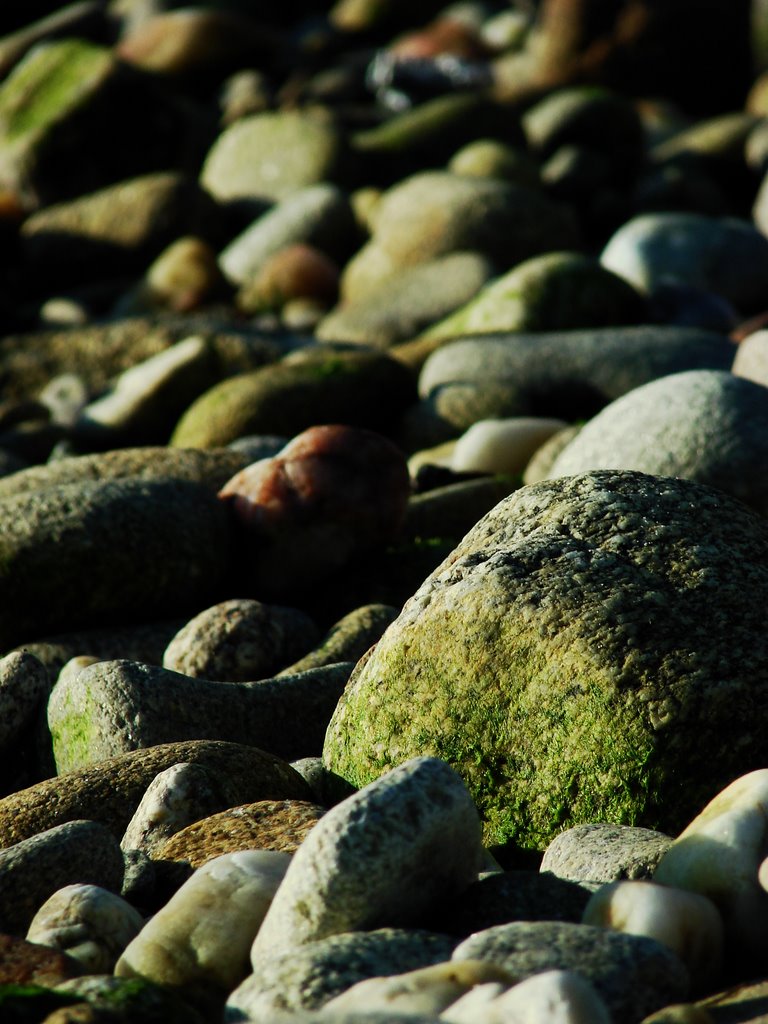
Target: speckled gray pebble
{"x":633,"y":974}
{"x":306,"y":977}
{"x":116,"y":706}
{"x":24,"y":687}
{"x":32,"y":870}
{"x":602,"y":852}
{"x":381,"y":857}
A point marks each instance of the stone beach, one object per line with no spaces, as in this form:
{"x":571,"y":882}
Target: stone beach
{"x":383,"y":512}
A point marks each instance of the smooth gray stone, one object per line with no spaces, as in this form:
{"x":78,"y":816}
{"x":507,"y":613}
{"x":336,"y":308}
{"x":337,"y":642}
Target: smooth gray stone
{"x":603,"y":852}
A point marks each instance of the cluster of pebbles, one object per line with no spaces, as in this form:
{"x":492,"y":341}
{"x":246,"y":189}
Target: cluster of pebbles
{"x":383,"y":553}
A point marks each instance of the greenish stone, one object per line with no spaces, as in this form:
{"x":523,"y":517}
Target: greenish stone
{"x":361,"y":389}
{"x":28,"y":1004}
{"x":591,"y":651}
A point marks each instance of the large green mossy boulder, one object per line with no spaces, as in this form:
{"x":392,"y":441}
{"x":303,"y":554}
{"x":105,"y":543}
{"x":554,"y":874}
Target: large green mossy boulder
{"x":593,"y":650}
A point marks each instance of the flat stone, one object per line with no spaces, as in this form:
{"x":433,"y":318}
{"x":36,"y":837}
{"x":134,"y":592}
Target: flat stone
{"x":602,"y":852}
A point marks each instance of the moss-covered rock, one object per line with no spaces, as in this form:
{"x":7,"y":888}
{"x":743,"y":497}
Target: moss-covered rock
{"x":593,"y":650}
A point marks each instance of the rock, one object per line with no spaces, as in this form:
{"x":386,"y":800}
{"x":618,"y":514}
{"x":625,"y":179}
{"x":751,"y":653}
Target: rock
{"x":451,"y":511}
{"x":703,"y":425}
{"x":183,"y":277}
{"x":270,"y":156}
{"x":563,"y":374}
{"x":319,"y":215}
{"x":550,"y":643}
{"x":363,"y":389}
{"x":310,"y":975}
{"x":173,"y":553}
{"x":89,"y":923}
{"x":408,"y":301}
{"x":267,"y":825}
{"x":751,"y":359}
{"x":77,"y":89}
{"x":348,"y":639}
{"x":113,"y":707}
{"x":435,"y":213}
{"x":427,"y":990}
{"x":145,"y":402}
{"x":27,"y":965}
{"x":600,"y":852}
{"x":85,"y":19}
{"x":24,"y":689}
{"x":685,"y":922}
{"x":718,"y":855}
{"x":723,"y":255}
{"x":633,"y":975}
{"x":381,"y":857}
{"x":176,"y":797}
{"x":115,"y":230}
{"x":212,"y":468}
{"x":297,"y":273}
{"x":543,"y":459}
{"x":332,"y":495}
{"x":203,"y":934}
{"x":35,"y":868}
{"x":102,"y":997}
{"x":502,"y":446}
{"x":491,"y":158}
{"x":238,"y":640}
{"x":560,"y":997}
{"x":556,"y":291}
{"x":110,"y":791}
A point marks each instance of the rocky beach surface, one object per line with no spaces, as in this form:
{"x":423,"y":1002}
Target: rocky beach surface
{"x":383,"y":512}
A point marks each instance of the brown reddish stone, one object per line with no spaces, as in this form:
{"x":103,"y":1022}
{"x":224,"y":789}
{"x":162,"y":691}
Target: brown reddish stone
{"x":26,"y":963}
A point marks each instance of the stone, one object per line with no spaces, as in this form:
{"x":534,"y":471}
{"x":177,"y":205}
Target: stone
{"x":601,"y":852}
{"x":363,"y":389}
{"x":554,"y":291}
{"x":569,"y":649}
{"x":348,"y":639}
{"x":115,"y":230}
{"x":202,"y":936}
{"x":632,"y":974}
{"x":281,"y":826}
{"x":27,"y":964}
{"x":173,"y":553}
{"x":113,"y":707}
{"x":450,"y":511}
{"x":240,"y":640}
{"x":102,"y":998}
{"x":502,"y":446}
{"x":270,"y":156}
{"x":212,"y":467}
{"x":703,"y":425}
{"x":182,"y":278}
{"x":24,"y":689}
{"x":491,"y":158}
{"x":332,"y":495}
{"x":408,"y":301}
{"x":560,"y":997}
{"x":310,"y":975}
{"x":564,"y":374}
{"x":110,"y":791}
{"x":145,"y":402}
{"x":543,"y":458}
{"x":84,"y":19}
{"x":77,"y":87}
{"x":725,"y":255}
{"x":381,"y":857}
{"x":298,"y":273}
{"x":434,"y":213}
{"x":751,"y":359}
{"x":318,"y":215}
{"x":35,"y":868}
{"x":427,"y":990}
{"x":718,"y":855}
{"x":685,"y":922}
{"x":89,"y":923}
{"x":175,"y":798}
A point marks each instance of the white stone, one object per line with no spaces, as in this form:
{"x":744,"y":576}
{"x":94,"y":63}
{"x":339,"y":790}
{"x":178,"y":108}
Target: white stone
{"x":554,"y":997}
{"x":204,"y":932}
{"x":720,"y":855}
{"x":502,"y":446}
{"x":688,"y":923}
{"x":89,"y":923}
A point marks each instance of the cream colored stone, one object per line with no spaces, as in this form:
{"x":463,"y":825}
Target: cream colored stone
{"x":719,"y":856}
{"x":557,"y":997}
{"x":688,"y":923}
{"x":502,"y":446}
{"x":89,"y":923}
{"x":205,"y":931}
{"x":428,"y":990}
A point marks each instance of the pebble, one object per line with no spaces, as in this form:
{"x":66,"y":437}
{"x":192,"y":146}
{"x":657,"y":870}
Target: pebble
{"x":561,"y":997}
{"x":501,"y":446}
{"x":601,"y":852}
{"x":26,"y":963}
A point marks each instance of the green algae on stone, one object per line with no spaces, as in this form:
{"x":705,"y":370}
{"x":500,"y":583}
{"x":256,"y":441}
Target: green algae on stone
{"x":361,"y":389}
{"x":591,"y":651}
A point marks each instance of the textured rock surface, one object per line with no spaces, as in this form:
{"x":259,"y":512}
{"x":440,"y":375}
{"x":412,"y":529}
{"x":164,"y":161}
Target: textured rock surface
{"x":568,"y":658}
{"x":600,"y":852}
